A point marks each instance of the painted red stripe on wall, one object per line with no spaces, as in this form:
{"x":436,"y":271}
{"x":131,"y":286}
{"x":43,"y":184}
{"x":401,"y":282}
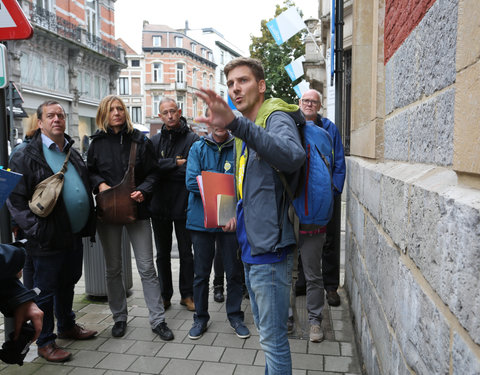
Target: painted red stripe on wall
{"x":401,"y":17}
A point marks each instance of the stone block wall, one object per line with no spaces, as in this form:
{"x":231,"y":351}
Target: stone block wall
{"x":413,"y":268}
{"x":412,"y":227}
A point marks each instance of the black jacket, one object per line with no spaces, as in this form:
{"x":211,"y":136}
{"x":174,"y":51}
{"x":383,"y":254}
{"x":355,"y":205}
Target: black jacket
{"x":107,"y":162}
{"x":53,"y":233}
{"x":170,"y":198}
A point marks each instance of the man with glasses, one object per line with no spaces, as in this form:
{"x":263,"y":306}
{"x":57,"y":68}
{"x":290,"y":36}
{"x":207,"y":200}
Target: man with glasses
{"x":169,"y":202}
{"x":54,"y":242}
{"x":310,"y":104}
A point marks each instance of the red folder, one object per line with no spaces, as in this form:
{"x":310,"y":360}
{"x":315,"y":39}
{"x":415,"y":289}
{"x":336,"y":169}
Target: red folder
{"x":212,"y":184}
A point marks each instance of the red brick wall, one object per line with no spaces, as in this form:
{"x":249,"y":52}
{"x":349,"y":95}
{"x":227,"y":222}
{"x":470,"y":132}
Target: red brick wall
{"x":401,"y":17}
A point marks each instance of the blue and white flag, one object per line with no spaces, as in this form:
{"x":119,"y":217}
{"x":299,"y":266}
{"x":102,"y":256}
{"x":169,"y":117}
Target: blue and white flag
{"x":286,"y":25}
{"x":295,"y":69}
{"x":301,"y":88}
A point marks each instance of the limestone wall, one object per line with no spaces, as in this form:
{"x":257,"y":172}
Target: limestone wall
{"x":413,"y":213}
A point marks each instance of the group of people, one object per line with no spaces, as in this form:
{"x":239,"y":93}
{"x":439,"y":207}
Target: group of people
{"x":253,"y":146}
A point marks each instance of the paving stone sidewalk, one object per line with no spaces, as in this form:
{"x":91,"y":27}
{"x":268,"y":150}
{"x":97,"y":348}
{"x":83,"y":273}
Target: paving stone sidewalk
{"x":219,"y":351}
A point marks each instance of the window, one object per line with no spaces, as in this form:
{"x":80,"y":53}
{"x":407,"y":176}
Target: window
{"x":51,"y":75}
{"x":61,"y":79}
{"x":136,"y":114}
{"x":222,"y":57}
{"x":178,"y":41}
{"x":204,"y":80}
{"x":135,"y":63}
{"x":156,"y":105}
{"x":96,"y":86}
{"x":222,"y":77}
{"x":193,"y":46}
{"x":211,"y":82}
{"x":210,"y":56}
{"x":195,"y":112}
{"x":36,"y":76}
{"x":157,"y":72}
{"x":194,"y":77}
{"x":123,"y":88}
{"x":87,"y":83}
{"x":91,"y":15}
{"x":180,"y":73}
{"x":181,"y":103}
{"x":45,"y":4}
{"x":104,"y":87}
{"x":157,"y":41}
{"x":204,"y":53}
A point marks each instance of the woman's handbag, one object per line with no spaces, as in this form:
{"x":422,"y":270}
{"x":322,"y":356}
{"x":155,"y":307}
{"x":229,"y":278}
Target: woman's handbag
{"x":114,"y":205}
{"x":48,"y":191}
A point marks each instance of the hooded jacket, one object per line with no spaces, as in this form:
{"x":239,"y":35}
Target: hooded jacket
{"x":205,"y":155}
{"x":273,"y":143}
{"x":107,"y":162}
{"x":170,"y":197}
{"x":51,"y":234}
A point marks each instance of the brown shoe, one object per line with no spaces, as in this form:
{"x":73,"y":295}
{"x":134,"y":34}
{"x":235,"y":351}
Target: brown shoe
{"x":77,"y":333}
{"x":53,"y":353}
{"x":188,"y":302}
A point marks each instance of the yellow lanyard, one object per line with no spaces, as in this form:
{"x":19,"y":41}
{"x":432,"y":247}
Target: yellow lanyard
{"x":242,"y":164}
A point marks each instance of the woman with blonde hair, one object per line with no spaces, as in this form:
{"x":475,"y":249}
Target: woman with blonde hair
{"x":107,"y":161}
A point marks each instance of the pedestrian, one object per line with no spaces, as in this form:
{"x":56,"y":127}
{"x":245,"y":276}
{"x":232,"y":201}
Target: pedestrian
{"x":310,"y":104}
{"x":54,"y":242}
{"x":267,"y":143}
{"x":213,"y":153}
{"x":169,"y":202}
{"x":108,"y":159}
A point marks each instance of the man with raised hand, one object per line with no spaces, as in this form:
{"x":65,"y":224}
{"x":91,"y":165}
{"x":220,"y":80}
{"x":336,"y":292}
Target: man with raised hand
{"x":267,"y":143}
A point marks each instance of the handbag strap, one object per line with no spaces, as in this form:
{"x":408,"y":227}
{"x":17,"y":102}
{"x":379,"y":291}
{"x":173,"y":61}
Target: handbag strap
{"x":64,"y":166}
{"x":133,"y":154}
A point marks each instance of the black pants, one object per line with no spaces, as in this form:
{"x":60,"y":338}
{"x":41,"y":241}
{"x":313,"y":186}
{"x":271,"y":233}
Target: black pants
{"x":162,"y":231}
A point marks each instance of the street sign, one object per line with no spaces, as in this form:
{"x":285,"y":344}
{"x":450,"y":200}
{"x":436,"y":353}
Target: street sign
{"x":3,"y":67}
{"x":13,"y":23}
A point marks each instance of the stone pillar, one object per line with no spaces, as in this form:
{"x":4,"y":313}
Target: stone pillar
{"x":75,"y":57}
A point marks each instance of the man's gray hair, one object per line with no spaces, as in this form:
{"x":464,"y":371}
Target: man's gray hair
{"x":166,"y":99}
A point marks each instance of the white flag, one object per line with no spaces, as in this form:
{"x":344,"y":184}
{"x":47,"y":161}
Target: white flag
{"x":301,"y":88}
{"x":295,"y":69}
{"x":286,"y":25}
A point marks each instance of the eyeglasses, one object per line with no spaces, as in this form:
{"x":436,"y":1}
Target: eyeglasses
{"x":310,"y":102}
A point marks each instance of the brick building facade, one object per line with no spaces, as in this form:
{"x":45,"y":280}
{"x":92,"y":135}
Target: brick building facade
{"x":176,"y":66}
{"x":72,"y":58}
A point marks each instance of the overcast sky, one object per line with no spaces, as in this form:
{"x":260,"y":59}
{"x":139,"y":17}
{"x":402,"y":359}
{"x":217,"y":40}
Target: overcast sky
{"x":236,"y":20}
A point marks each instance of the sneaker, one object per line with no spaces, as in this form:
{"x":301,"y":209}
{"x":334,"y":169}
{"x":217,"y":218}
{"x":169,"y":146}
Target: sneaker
{"x":188,"y":302}
{"x":218,"y":294}
{"x":290,"y":324}
{"x":119,"y":328}
{"x":333,"y":298}
{"x":163,"y":331}
{"x":316,"y":333}
{"x":197,"y":330}
{"x":240,"y":329}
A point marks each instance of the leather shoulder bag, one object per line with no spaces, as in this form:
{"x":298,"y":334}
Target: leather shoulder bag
{"x":114,"y":205}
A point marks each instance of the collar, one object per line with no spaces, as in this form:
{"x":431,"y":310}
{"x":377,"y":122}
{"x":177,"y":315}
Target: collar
{"x":51,"y":144}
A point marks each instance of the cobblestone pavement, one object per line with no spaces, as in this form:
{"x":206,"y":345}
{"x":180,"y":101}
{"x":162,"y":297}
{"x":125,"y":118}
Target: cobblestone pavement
{"x":219,"y":351}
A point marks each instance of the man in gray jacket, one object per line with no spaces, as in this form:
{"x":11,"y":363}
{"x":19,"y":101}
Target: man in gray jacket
{"x":267,"y":143}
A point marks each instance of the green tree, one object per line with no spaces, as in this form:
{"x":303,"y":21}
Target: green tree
{"x":274,"y":58}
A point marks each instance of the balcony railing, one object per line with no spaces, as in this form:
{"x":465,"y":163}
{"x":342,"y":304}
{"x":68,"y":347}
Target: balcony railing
{"x":50,"y":21}
{"x":180,"y":86}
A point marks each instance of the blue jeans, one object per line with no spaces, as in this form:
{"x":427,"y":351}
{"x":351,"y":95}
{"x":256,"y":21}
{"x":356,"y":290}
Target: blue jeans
{"x":56,"y":276}
{"x":204,"y":252}
{"x":269,"y":288}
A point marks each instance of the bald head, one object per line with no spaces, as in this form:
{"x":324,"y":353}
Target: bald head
{"x":310,"y":104}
